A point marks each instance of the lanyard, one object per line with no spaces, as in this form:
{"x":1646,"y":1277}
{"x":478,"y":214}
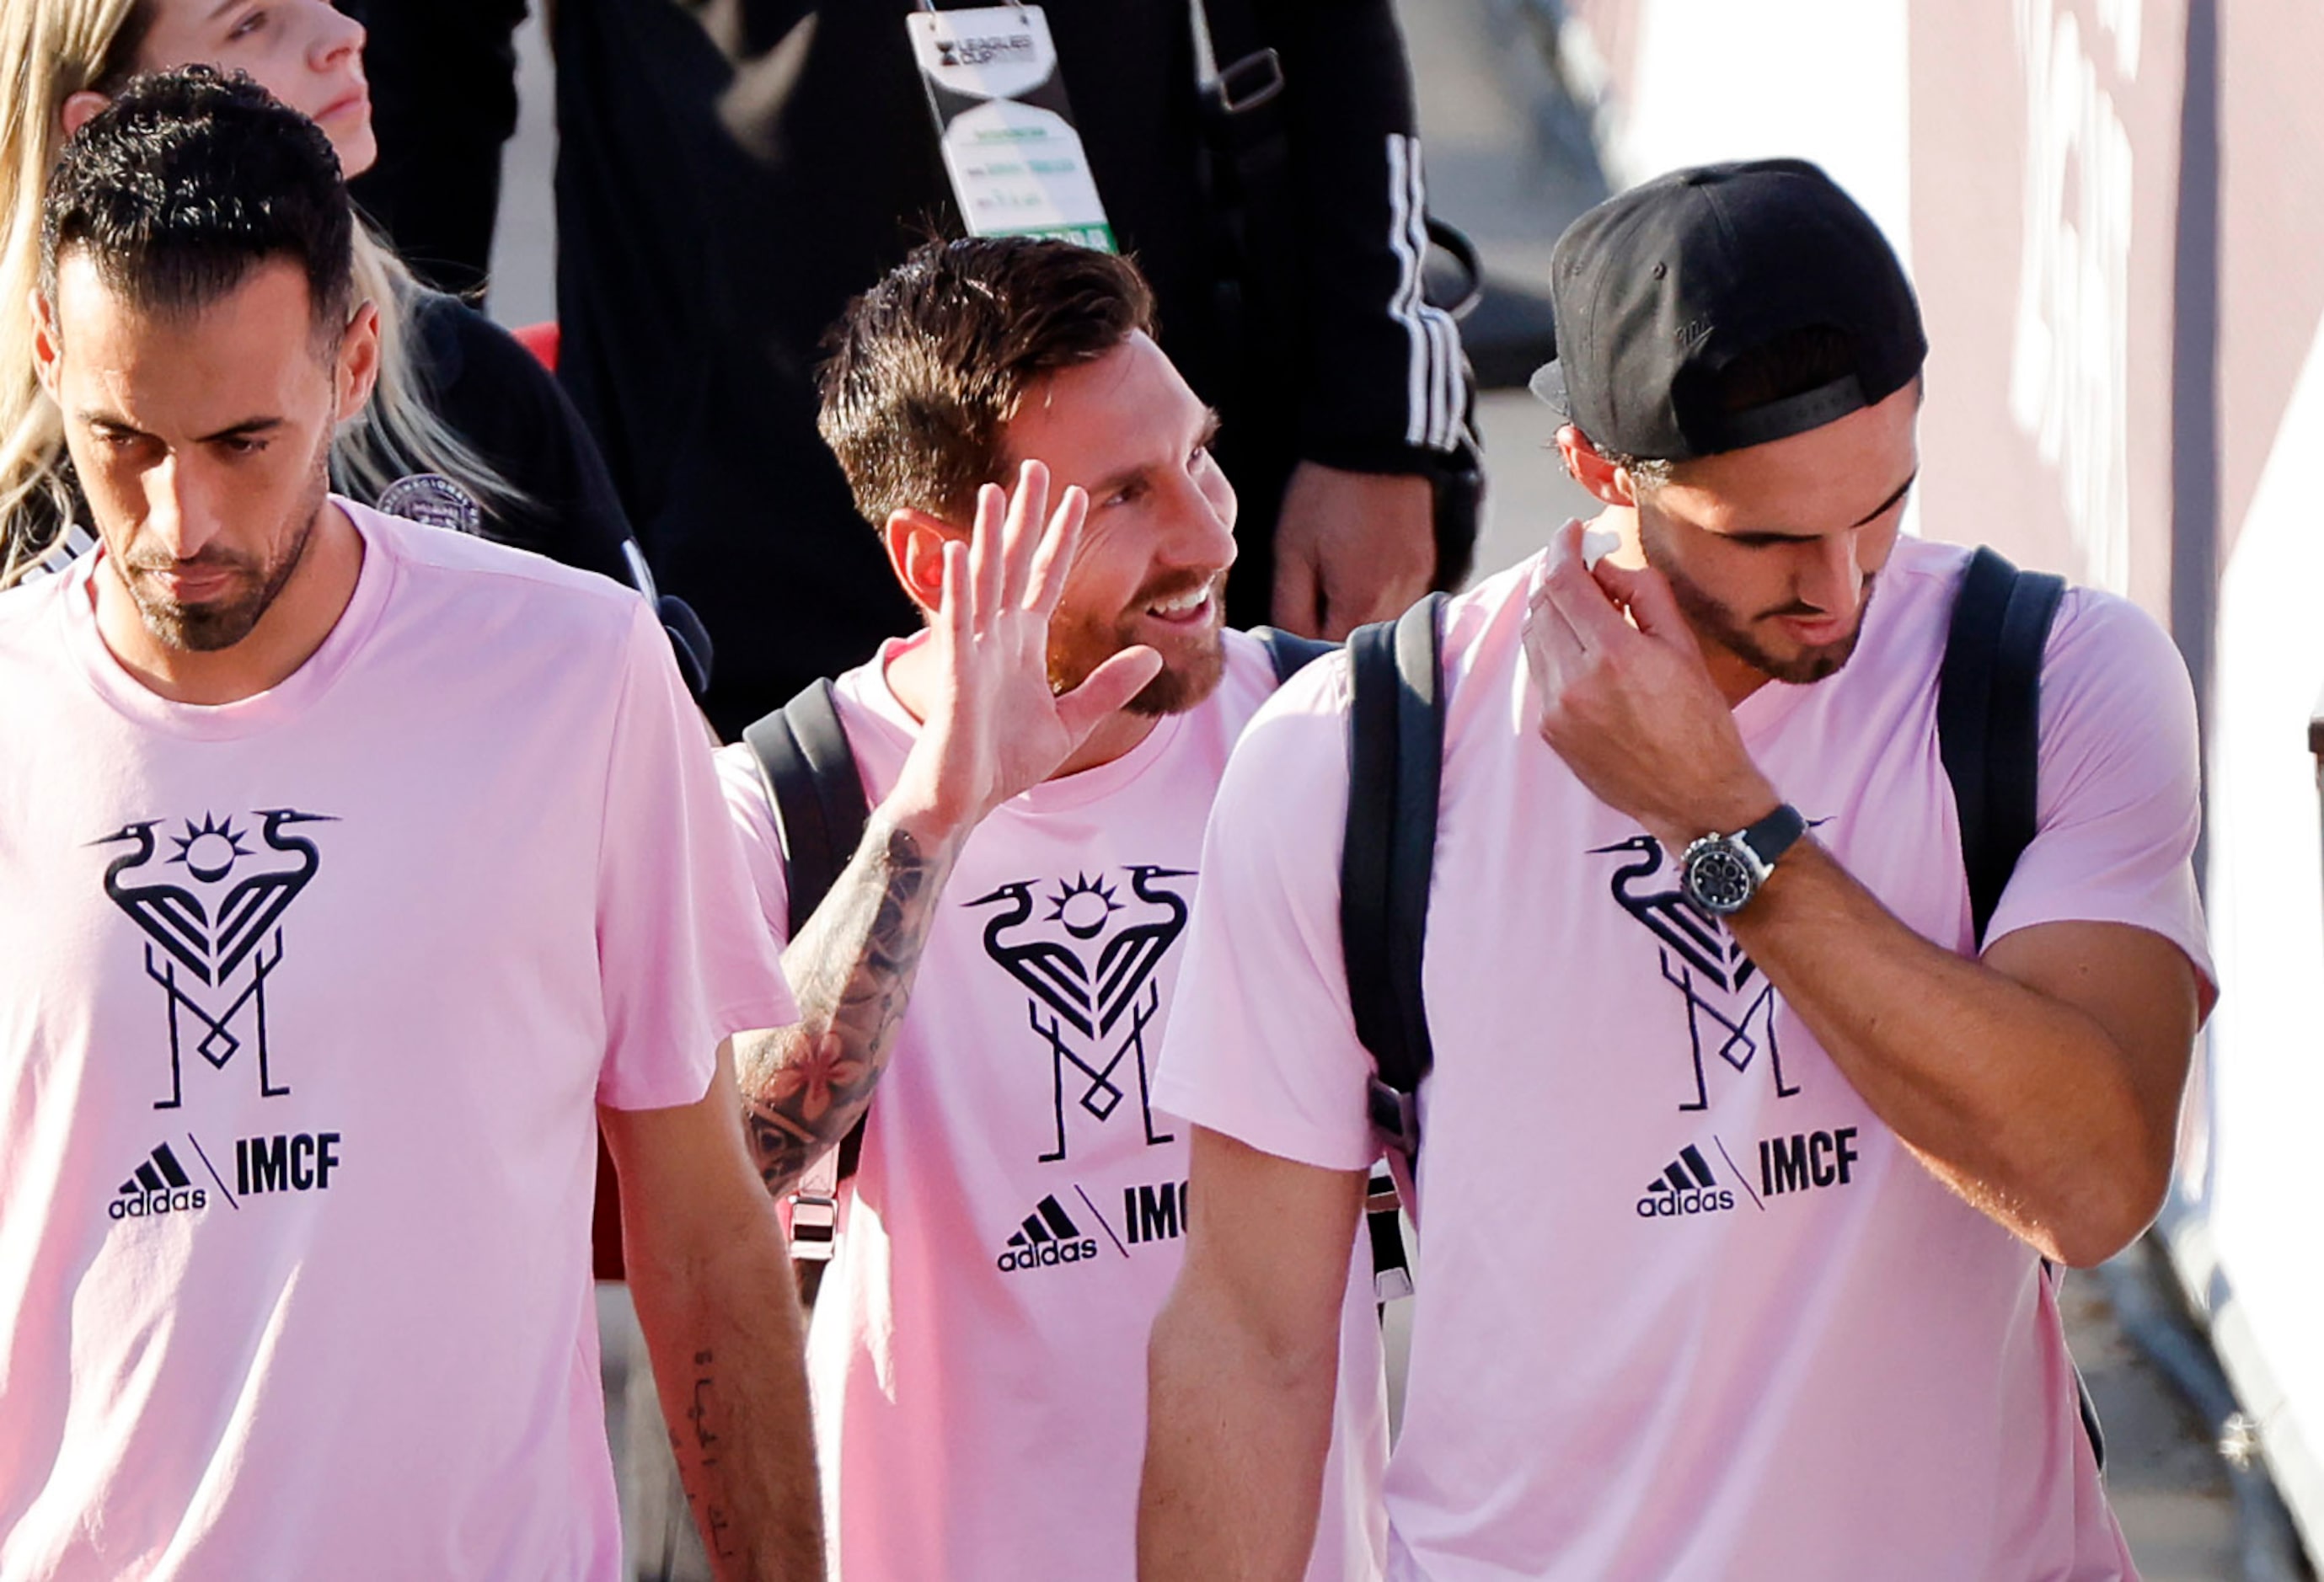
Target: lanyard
{"x":1004,"y":125}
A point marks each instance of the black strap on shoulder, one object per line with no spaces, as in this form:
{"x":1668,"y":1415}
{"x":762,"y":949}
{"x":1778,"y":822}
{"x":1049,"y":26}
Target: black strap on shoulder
{"x":1989,"y":717}
{"x":820,"y":813}
{"x":1990,"y":735}
{"x":1288,"y":651}
{"x":1396,"y":751}
{"x":816,"y":791}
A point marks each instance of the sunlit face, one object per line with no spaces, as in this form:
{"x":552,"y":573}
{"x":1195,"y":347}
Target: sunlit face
{"x":1155,"y":551}
{"x":1772,"y":552}
{"x":304,"y":52}
{"x":201,"y":440}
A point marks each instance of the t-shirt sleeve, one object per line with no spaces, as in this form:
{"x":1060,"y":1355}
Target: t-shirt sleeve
{"x":2119,"y":800}
{"x":1262,"y":1045}
{"x":754,"y":826}
{"x":683,"y":956}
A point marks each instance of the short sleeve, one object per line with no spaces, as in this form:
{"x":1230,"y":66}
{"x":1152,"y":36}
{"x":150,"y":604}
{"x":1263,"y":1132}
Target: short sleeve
{"x":1262,"y":1045}
{"x":754,"y":826}
{"x":683,"y":959}
{"x":2119,"y":804}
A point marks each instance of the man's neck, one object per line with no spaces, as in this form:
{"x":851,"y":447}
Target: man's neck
{"x":1737,"y":678}
{"x":286,"y":636}
{"x":912,"y":677}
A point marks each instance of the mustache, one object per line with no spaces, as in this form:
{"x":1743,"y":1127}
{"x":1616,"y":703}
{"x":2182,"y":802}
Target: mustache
{"x":1811,"y":612}
{"x":210,"y":559}
{"x":1172,"y":585}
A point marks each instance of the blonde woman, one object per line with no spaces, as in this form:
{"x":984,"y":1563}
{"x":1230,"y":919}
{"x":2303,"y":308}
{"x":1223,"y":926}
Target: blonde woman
{"x":457,"y":398}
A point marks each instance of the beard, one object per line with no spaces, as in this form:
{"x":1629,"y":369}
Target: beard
{"x":1191,"y":667}
{"x":218,"y":624}
{"x":1715,"y":622}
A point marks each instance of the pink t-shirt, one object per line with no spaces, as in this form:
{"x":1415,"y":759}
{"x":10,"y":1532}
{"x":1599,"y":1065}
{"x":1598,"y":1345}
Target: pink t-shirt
{"x":978,"y":1352}
{"x":306,"y":1006}
{"x":1686,"y":1307}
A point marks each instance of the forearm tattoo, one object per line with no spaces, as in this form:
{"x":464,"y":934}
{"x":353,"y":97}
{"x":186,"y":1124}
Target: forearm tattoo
{"x":696,"y":1448}
{"x":851,"y":970}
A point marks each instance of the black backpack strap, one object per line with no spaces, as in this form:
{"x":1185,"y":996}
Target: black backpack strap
{"x":816,"y":791}
{"x":1989,"y":717}
{"x":1990,"y":735}
{"x":1289,"y":652}
{"x":1396,"y":752}
{"x":1396,"y":747}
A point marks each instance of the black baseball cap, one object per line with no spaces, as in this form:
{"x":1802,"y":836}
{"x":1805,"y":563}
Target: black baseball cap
{"x":1658,"y":289}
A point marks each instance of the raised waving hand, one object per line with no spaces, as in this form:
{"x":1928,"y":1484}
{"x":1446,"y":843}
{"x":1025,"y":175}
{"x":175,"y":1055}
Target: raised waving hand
{"x":994,"y":726}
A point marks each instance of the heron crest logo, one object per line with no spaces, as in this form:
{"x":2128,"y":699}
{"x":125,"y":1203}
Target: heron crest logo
{"x":1730,"y":1007}
{"x":1085,"y":950}
{"x":210,"y":900}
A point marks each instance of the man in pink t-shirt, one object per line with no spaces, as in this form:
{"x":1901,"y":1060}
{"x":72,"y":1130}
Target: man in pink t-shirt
{"x":1738,"y":1163}
{"x":356,"y":871}
{"x":998,"y":957}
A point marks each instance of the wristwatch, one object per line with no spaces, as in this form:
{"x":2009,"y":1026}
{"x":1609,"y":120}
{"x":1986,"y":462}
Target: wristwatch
{"x":1721,"y":873}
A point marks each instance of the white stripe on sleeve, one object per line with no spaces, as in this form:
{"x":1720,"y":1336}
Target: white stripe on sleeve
{"x":1432,"y":371}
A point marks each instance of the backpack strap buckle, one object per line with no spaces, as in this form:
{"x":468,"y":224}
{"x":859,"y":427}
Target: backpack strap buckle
{"x":1395,"y":1116}
{"x":814,"y":1210}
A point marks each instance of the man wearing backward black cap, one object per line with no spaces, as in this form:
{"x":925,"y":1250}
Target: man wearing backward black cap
{"x":1767,"y":1089}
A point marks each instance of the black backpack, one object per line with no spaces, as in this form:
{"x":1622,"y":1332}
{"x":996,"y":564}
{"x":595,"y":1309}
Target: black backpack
{"x":1988,"y":720}
{"x":816,"y":791}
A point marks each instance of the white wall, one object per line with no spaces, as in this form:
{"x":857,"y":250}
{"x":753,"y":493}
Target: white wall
{"x":2266,"y":1088}
{"x":1828,"y":80}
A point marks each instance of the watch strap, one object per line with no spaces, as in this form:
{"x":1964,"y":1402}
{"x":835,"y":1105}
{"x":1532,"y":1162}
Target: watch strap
{"x":1774,"y":834}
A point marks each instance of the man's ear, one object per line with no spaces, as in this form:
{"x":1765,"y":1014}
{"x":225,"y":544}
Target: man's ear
{"x":358,"y":363}
{"x":78,"y":110}
{"x":916,"y":544}
{"x":48,"y":345}
{"x":1610,"y":483}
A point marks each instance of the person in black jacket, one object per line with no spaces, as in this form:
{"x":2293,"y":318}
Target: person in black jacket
{"x":730,"y":174}
{"x":458,"y":398}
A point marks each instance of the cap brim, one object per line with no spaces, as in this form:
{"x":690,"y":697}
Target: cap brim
{"x":1548,"y":386}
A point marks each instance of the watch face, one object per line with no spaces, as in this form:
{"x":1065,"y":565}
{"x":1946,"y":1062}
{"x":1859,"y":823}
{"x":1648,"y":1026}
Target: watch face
{"x":1718,"y":880}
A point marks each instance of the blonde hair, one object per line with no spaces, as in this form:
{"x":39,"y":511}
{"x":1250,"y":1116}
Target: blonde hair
{"x":50,"y":50}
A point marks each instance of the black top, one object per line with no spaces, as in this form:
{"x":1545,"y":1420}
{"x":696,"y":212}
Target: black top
{"x":496,"y":396}
{"x":731,"y":172}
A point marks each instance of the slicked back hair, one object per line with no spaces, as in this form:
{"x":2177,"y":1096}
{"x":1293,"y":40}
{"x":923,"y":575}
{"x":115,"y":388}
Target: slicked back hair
{"x":929,"y":367}
{"x":187,"y":182}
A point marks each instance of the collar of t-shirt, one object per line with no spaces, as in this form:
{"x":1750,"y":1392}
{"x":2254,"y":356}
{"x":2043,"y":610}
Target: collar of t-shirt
{"x":278,"y":705}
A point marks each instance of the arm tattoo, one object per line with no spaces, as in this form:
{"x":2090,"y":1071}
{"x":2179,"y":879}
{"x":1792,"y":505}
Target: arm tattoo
{"x":850,"y":969}
{"x":700,"y":1458}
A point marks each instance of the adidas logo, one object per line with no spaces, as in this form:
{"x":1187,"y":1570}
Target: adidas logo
{"x":1686,"y":1186}
{"x":160,"y":1186}
{"x":1047,"y":1238}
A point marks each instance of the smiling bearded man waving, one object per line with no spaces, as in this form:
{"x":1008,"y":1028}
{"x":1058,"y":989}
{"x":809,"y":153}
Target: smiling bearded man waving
{"x":1000,"y":954}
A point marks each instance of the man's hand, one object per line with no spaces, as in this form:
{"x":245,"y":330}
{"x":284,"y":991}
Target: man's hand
{"x":1350,"y":548}
{"x":2042,"y":1084}
{"x":1631,"y":708}
{"x":996,"y":729}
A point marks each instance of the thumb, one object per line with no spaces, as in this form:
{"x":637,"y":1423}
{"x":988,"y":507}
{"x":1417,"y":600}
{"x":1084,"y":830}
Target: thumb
{"x":1107,"y":689}
{"x":1295,"y":607}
